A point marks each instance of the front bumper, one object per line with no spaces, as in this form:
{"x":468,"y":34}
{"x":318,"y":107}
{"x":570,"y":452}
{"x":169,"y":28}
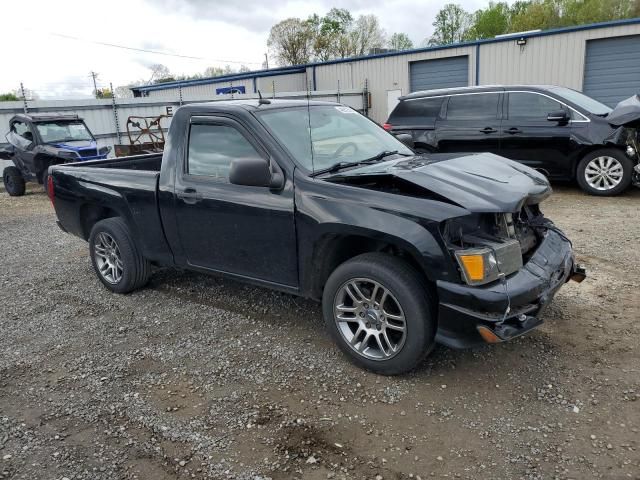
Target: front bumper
{"x":469,"y":316}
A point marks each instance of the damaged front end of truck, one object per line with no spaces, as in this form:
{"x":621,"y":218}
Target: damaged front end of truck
{"x":510,"y":258}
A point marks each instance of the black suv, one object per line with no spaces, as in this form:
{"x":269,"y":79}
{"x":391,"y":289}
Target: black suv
{"x":561,"y":132}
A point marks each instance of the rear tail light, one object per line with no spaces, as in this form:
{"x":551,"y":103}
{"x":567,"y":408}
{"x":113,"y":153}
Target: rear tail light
{"x":50,"y":189}
{"x":387,"y":126}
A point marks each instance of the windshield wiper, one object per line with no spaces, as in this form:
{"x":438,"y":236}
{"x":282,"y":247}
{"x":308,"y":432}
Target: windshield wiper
{"x":336,"y":167}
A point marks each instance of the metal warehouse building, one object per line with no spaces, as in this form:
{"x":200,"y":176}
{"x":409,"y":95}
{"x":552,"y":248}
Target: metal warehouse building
{"x":602,"y":60}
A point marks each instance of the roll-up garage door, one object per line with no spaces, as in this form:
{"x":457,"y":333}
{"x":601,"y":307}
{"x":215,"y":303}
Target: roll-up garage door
{"x":612,"y":69}
{"x":439,"y":73}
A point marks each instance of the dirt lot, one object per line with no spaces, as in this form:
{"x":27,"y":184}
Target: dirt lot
{"x":195,"y":377}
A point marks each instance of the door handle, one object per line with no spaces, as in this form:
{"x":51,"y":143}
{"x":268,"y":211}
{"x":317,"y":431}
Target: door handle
{"x":189,"y":195}
{"x":488,"y":130}
{"x":513,"y":130}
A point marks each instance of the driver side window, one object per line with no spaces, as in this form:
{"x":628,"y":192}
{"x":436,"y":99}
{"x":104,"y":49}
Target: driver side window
{"x":212,"y":148}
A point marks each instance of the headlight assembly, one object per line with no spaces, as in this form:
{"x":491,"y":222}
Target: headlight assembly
{"x":488,"y":261}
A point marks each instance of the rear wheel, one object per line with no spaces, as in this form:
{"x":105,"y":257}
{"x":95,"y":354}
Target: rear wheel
{"x":605,"y":172}
{"x":380,"y":313}
{"x":14,"y":183}
{"x":116,"y":258}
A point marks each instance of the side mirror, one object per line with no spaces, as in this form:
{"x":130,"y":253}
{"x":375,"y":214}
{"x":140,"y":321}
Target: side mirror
{"x":254,"y":172}
{"x":559,"y":116}
{"x":406,"y":138}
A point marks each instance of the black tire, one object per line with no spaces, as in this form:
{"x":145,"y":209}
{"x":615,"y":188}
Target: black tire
{"x":627,"y":172}
{"x":14,"y":183}
{"x":413,"y":296}
{"x":135,"y":268}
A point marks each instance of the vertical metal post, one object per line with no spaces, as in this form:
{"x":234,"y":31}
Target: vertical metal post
{"x":273,"y":89}
{"x":180,"y":94}
{"x":338,"y":95}
{"x":24,"y":99}
{"x":115,"y":111}
{"x":365,"y":98}
{"x":231,"y":85}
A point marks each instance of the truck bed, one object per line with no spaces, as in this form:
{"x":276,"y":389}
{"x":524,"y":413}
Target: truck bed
{"x":126,"y":187}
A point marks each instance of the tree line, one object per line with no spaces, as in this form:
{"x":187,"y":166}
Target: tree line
{"x":338,"y":34}
{"x":454,"y":24}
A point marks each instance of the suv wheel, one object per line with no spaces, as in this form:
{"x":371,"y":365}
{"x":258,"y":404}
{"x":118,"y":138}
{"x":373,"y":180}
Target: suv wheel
{"x":116,"y":258}
{"x":380,"y":313}
{"x":605,"y":172}
{"x":13,"y":181}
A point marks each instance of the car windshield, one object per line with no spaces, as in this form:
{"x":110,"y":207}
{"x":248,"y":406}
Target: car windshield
{"x":581,"y":100}
{"x":319,"y":137}
{"x":53,"y":132}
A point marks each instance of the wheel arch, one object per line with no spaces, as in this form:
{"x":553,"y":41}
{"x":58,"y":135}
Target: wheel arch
{"x":90,"y":214}
{"x":587,"y":150}
{"x":334,"y":248}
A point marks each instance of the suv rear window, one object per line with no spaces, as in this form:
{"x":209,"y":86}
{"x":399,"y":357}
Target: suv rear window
{"x":418,"y":111}
{"x":472,"y":107}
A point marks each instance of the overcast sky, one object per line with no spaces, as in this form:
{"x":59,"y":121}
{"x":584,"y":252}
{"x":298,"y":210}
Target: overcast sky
{"x":234,"y":33}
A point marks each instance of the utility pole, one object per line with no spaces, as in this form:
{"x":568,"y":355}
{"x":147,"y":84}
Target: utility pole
{"x":94,"y":75}
{"x":266,"y":60}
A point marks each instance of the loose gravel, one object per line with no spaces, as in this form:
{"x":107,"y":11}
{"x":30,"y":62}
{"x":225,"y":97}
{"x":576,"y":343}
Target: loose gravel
{"x":198,"y":377}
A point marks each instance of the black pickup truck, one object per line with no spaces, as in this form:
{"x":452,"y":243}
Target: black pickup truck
{"x":314,"y":199}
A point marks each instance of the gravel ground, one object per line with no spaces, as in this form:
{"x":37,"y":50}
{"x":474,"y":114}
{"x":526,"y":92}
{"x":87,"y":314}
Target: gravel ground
{"x":195,"y":377}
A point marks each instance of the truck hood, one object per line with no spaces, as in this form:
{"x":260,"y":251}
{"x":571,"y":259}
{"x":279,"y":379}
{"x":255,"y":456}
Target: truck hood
{"x":481,"y":182}
{"x":627,"y":112}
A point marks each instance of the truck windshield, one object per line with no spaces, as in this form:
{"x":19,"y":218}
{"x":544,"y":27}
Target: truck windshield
{"x":54,"y":132}
{"x":321,"y":136}
{"x":589,"y":104}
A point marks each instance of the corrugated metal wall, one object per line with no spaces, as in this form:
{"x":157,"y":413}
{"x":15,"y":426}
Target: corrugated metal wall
{"x":552,"y":59}
{"x":295,"y":82}
{"x":385,"y":73}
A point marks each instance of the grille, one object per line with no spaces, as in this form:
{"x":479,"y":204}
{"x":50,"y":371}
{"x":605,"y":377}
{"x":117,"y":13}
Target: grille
{"x":90,"y":152}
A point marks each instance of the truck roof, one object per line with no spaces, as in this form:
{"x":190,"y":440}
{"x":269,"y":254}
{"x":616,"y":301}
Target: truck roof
{"x":254,"y":104}
{"x":44,"y":117}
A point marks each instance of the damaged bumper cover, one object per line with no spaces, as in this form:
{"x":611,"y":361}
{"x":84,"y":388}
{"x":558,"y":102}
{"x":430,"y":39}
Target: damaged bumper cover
{"x":469,"y":315}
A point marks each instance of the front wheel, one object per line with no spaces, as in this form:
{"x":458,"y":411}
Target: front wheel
{"x":380,"y":313}
{"x":116,"y":259}
{"x":605,"y":172}
{"x":14,"y":182}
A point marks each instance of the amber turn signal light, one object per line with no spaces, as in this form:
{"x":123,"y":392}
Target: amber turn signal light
{"x":488,"y":336}
{"x":474,"y":266}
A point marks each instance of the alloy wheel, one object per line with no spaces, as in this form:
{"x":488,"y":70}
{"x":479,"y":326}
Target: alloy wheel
{"x":108,"y":259}
{"x":370,"y":319}
{"x":604,"y":173}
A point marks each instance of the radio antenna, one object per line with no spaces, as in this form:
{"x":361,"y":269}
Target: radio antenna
{"x":262,"y":101}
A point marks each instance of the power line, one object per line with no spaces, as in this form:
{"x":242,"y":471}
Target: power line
{"x":144,"y":50}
